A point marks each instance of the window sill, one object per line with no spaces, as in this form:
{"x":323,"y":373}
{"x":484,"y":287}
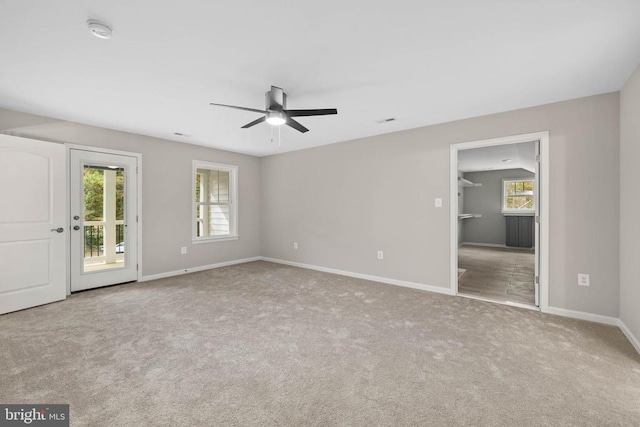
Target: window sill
{"x":214,"y":239}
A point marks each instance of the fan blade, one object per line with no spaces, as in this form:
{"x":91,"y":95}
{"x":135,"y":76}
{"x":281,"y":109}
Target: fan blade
{"x":255,"y":122}
{"x":301,"y":113}
{"x":239,"y":108}
{"x":297,"y":126}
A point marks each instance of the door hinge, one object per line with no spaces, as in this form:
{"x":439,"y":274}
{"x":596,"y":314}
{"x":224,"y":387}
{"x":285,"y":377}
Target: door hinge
{"x":136,"y":218}
{"x":538,"y":158}
{"x":537,"y":280}
{"x":137,"y":267}
{"x":538,"y":219}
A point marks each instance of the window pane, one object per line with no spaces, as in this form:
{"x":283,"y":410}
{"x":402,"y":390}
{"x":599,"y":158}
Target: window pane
{"x":120,"y":194}
{"x":220,"y":186}
{"x":104,"y":216}
{"x":519,"y":202}
{"x":519,"y":187}
{"x":93,"y":193}
{"x":212,"y":186}
{"x":198,"y":184}
{"x":219,"y":224}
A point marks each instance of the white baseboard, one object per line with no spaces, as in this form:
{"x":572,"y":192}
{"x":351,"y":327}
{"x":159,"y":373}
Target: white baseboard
{"x":386,"y":280}
{"x":490,"y":245}
{"x":495,"y":245}
{"x":598,"y":318}
{"x":200,"y":268}
{"x":632,"y":338}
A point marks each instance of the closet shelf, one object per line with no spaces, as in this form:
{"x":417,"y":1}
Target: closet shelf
{"x":466,"y":183}
{"x":467,"y":216}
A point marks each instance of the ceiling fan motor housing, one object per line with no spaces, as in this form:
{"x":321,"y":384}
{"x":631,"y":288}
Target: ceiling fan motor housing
{"x":275,"y":99}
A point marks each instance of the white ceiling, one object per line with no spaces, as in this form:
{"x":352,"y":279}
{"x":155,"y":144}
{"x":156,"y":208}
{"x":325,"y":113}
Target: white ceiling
{"x":420,"y":61}
{"x":497,"y":157}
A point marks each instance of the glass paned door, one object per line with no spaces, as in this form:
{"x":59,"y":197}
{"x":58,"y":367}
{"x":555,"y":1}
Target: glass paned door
{"x":103,"y":219}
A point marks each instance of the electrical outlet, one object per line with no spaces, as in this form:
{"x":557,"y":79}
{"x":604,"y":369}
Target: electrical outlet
{"x":295,"y":245}
{"x":183,"y":250}
{"x":438,"y":202}
{"x":380,"y":255}
{"x":583,"y":279}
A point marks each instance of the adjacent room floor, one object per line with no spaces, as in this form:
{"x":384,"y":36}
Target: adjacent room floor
{"x":499,"y":274}
{"x":264,"y":344}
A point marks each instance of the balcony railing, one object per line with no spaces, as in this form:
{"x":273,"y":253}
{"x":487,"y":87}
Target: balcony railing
{"x":94,"y":237}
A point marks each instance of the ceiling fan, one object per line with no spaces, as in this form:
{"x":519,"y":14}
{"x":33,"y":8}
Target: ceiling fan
{"x":276,"y":113}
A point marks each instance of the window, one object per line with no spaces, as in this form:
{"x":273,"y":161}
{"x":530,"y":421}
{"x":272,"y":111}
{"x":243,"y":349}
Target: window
{"x":215,"y":207}
{"x":517,"y":195}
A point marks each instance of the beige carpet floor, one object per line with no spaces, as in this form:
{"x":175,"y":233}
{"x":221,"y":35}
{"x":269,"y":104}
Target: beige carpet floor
{"x":261,"y":344}
{"x":499,"y":274}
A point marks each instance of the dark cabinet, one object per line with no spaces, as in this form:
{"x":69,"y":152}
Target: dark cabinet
{"x":520,"y":231}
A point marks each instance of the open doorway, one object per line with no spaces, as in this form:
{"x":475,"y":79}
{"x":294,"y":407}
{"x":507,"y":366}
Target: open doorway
{"x":495,"y":220}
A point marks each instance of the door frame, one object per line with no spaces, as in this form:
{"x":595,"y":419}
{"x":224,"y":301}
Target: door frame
{"x":543,"y":207}
{"x":138,"y":157}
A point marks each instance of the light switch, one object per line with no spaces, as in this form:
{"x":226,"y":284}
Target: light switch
{"x":438,"y":202}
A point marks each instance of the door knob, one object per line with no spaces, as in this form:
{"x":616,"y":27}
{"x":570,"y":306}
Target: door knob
{"x":76,"y":227}
{"x":59,"y":229}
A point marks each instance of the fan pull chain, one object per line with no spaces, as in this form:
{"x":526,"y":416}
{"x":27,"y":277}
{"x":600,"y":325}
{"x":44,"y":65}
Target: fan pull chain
{"x":279,"y":135}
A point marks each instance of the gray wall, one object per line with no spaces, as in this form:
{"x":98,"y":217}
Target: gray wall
{"x":630,"y":204}
{"x":343,"y":202}
{"x":487,"y":201}
{"x":166,"y":190}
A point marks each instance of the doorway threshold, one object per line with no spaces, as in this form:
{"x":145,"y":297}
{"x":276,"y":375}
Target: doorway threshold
{"x":495,"y":301}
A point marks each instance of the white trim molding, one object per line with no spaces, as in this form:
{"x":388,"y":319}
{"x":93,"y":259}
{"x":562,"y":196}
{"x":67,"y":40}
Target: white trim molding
{"x":495,"y":245}
{"x":199,"y":268}
{"x":232,"y":202}
{"x":543,"y":200}
{"x":583,"y":315}
{"x":138,"y":157}
{"x":632,"y":338}
{"x":396,"y":282}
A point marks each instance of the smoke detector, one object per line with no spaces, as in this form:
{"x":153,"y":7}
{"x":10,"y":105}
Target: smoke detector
{"x":100,"y":29}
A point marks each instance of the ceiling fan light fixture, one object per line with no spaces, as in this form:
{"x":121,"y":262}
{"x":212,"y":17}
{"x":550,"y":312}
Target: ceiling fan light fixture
{"x":276,"y":118}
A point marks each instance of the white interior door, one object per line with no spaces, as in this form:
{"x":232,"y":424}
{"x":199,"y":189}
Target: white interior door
{"x":33,"y":249}
{"x":103,"y":219}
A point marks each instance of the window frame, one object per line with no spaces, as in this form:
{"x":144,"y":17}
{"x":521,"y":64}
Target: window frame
{"x":528,"y":211}
{"x":233,"y":202}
